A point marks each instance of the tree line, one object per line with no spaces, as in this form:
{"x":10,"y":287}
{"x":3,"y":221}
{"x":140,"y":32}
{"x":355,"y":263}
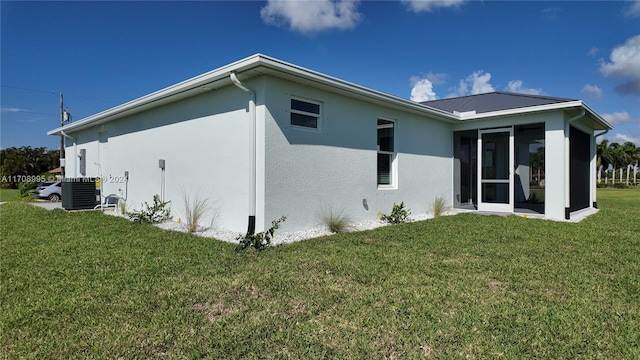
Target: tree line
{"x":25,"y":161}
{"x":617,"y":155}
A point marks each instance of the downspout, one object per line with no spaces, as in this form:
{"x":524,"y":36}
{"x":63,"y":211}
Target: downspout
{"x":567,"y":159}
{"x":75,"y":153}
{"x":602,"y":133}
{"x":251,"y":228}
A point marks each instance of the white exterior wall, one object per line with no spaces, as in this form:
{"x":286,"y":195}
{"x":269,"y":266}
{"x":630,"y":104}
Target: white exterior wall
{"x":204,"y":141}
{"x":335,"y":169}
{"x":555,"y":174}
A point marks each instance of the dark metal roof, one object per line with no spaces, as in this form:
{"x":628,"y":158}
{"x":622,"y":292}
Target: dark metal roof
{"x":494,"y":101}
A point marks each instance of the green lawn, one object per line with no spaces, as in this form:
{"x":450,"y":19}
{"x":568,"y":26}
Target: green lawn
{"x":87,"y":285}
{"x":8,"y":195}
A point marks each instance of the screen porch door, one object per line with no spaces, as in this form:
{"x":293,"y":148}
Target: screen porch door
{"x":495,"y":169}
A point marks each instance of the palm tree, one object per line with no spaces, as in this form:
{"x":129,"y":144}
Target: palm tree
{"x":632,"y":152}
{"x":605,"y":157}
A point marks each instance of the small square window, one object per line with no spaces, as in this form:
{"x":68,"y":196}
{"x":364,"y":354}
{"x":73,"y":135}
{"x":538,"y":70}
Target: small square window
{"x":305,"y":114}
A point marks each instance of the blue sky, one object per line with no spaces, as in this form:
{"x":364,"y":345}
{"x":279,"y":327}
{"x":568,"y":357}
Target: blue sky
{"x":102,"y":54}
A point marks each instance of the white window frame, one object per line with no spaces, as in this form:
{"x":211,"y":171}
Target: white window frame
{"x":318,"y":115}
{"x":394,"y":158}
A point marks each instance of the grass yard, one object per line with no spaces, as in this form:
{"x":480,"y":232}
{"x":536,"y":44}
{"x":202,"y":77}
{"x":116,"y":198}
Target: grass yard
{"x":8,"y":195}
{"x":87,"y":285}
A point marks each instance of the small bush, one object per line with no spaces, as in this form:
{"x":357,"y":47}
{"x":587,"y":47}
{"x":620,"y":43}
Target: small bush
{"x":195,"y":207}
{"x":152,"y":214}
{"x":335,"y":221}
{"x":439,"y":205}
{"x":26,"y":190}
{"x":398,"y":214}
{"x":261,"y":240}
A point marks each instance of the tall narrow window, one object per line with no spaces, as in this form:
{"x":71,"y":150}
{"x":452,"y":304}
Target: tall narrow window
{"x":305,"y":114}
{"x":386,"y":152}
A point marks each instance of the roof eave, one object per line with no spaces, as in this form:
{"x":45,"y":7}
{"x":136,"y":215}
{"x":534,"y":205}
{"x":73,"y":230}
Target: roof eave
{"x":540,"y":108}
{"x":200,"y":82}
{"x":356,"y":89}
{"x":163,"y":96}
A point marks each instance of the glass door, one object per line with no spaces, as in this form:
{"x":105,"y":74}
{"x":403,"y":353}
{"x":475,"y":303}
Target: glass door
{"x":495,"y":168}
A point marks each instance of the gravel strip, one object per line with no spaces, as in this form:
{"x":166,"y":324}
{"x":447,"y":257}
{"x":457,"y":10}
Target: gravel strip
{"x":294,"y":236}
{"x":280,"y":237}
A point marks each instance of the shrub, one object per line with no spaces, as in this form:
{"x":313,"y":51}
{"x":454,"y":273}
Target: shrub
{"x":195,"y":207}
{"x":336,"y":222}
{"x":398,"y":214}
{"x":439,"y":205}
{"x":26,"y":190}
{"x":152,"y":214}
{"x":261,"y":240}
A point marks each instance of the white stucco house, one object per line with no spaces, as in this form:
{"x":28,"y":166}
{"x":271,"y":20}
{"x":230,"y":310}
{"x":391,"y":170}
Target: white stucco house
{"x":261,"y":138}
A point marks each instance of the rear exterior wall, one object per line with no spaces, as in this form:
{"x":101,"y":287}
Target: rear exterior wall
{"x":334,"y":169}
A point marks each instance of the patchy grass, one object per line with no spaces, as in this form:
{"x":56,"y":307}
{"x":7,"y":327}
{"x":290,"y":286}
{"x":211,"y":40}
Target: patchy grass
{"x":467,"y":286}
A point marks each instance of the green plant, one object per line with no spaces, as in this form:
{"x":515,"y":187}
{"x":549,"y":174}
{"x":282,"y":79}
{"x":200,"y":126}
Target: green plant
{"x":26,"y":190}
{"x":195,"y":207}
{"x":439,"y":205}
{"x":151,"y":214}
{"x":260,"y":240}
{"x":398,"y":214}
{"x":335,"y":221}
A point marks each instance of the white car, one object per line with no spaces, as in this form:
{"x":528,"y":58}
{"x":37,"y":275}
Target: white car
{"x":50,"y":190}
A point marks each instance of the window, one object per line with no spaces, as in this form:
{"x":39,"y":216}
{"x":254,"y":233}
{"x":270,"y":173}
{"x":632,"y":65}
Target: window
{"x":305,"y":114}
{"x":386,"y":153}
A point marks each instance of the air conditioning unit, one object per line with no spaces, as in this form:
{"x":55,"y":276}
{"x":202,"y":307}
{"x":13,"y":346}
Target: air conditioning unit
{"x":80,"y":193}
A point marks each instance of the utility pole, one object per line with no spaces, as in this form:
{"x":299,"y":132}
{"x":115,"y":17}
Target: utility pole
{"x":62,"y":152}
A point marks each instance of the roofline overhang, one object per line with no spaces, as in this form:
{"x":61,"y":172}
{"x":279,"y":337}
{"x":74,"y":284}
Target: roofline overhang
{"x":220,"y":77}
{"x":199,"y":84}
{"x":470,"y":116}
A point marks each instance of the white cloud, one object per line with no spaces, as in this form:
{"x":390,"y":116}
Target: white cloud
{"x":461,"y":90}
{"x":592,"y":91}
{"x":633,"y":10}
{"x":312,"y":16}
{"x":593,"y":51}
{"x":623,"y":138}
{"x":624,"y":65}
{"x":422,"y":90}
{"x":428,"y":5}
{"x":619,"y":117}
{"x":476,"y":83}
{"x":12,"y":110}
{"x":516,"y":87}
{"x":479,"y":81}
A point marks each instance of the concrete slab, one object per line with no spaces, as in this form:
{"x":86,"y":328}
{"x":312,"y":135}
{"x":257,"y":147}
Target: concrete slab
{"x":48,"y":205}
